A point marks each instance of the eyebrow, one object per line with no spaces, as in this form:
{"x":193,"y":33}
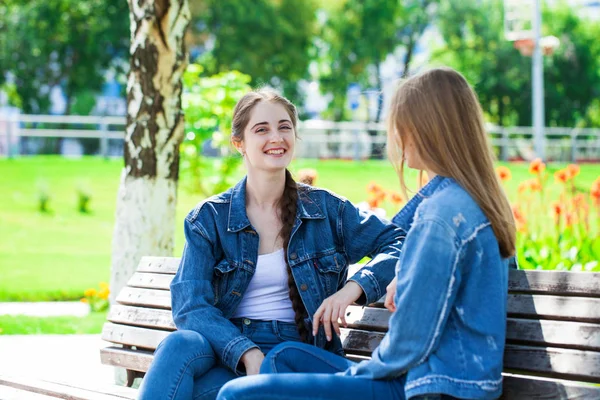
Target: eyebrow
{"x":266,"y":123}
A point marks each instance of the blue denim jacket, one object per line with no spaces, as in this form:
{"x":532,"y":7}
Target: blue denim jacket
{"x":447,"y":335}
{"x":221,"y":251}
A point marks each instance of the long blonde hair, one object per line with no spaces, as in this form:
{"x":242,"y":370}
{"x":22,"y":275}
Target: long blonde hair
{"x":443,"y":117}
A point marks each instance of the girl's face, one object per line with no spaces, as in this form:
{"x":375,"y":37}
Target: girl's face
{"x":411,"y":155}
{"x":269,"y":138}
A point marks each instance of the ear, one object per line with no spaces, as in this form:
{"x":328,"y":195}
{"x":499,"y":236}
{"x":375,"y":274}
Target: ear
{"x":239,"y":146}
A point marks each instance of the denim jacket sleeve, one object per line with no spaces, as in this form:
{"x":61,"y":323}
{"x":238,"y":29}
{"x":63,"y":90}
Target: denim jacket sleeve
{"x":428,"y":278}
{"x":364,"y":234}
{"x":192,"y":298}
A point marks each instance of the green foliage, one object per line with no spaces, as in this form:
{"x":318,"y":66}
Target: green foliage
{"x":10,"y":89}
{"x":474,"y":44}
{"x":61,"y":42}
{"x":266,"y":39}
{"x":84,"y":197}
{"x":43,"y":197}
{"x":24,"y":325}
{"x":208,"y":103}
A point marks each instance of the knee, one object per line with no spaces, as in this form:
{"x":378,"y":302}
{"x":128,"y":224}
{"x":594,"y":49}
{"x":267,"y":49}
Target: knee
{"x":280,"y":358}
{"x":182,"y":342}
{"x":247,"y":387}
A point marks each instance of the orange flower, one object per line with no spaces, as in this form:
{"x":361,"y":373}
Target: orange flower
{"x":569,"y":219}
{"x":579,"y":201}
{"x":534,"y":185}
{"x":503,"y":173}
{"x":373,"y":203}
{"x":373,"y":188}
{"x":562,"y":176}
{"x":537,"y":166}
{"x":573,"y":170}
{"x":520,"y":219}
{"x":308,"y":176}
{"x":595,"y":192}
{"x":558,"y":209}
{"x":396,"y":198}
{"x":523,"y":186}
{"x":380,"y":195}
{"x":84,"y":300}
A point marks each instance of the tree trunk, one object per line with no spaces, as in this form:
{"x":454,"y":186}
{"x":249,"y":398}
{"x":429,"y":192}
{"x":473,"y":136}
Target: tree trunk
{"x":145,"y":216}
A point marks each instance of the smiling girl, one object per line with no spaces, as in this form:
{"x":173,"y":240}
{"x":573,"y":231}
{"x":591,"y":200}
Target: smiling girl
{"x":263,"y":261}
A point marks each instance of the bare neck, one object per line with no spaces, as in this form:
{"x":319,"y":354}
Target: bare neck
{"x":264,"y":189}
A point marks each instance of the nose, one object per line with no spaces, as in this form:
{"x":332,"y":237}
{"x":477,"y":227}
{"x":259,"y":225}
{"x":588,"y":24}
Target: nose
{"x":276,"y":137}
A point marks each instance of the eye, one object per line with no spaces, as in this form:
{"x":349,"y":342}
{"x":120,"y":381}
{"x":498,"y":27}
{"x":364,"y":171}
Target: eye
{"x":285,"y":127}
{"x":261,"y":130}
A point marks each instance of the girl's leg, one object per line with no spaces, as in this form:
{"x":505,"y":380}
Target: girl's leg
{"x":179,"y":359}
{"x":302,"y":357}
{"x":207,"y":386}
{"x":303,"y":386}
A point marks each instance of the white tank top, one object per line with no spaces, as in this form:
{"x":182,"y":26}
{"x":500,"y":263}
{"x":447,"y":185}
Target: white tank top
{"x":267,"y":297}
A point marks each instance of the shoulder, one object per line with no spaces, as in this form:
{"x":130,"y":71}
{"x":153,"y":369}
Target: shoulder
{"x":319,"y":195}
{"x":453,"y":207}
{"x":209,"y":206}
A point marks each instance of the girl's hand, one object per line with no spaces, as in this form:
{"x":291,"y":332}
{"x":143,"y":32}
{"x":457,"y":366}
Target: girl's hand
{"x":390,"y":294}
{"x":252,"y":360}
{"x":334,"y":308}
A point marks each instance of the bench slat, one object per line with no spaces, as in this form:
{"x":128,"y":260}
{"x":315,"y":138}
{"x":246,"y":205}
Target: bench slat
{"x":519,"y":387}
{"x":159,"y":265}
{"x":139,"y":316}
{"x":145,"y":297}
{"x":576,"y":335}
{"x":528,"y":281}
{"x":555,"y":282}
{"x":150,"y":280}
{"x":133,"y":336}
{"x":67,"y":391}
{"x":137,"y":360}
{"x":555,"y":362}
{"x":580,"y":309}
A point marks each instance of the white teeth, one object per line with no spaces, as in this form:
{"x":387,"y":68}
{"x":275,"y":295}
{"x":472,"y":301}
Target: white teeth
{"x":274,"y":151}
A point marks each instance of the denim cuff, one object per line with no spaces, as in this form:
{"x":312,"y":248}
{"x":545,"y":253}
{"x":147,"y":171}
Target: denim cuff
{"x":370,"y":286}
{"x":233,"y":352}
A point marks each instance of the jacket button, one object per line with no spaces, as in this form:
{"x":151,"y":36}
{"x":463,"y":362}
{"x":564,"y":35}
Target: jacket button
{"x":247,"y":321}
{"x":303,"y":287}
{"x":293,"y":256}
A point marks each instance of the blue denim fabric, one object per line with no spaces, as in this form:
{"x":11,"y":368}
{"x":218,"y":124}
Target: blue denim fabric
{"x":447,"y":335}
{"x":185,"y":366}
{"x":284,"y":376}
{"x":221,"y":252}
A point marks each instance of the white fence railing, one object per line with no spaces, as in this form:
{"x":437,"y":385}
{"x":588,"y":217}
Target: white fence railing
{"x":319,"y":139}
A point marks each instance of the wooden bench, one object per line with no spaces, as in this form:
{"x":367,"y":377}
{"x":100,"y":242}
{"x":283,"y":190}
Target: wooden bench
{"x":553,"y":332}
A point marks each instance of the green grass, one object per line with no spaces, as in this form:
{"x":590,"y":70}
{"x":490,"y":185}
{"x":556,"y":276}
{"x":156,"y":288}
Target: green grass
{"x":24,"y":325}
{"x":57,"y":255}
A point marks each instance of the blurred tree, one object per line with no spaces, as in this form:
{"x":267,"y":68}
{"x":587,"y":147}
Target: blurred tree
{"x":358,"y":35}
{"x":66,"y":43}
{"x":266,"y":39}
{"x":474,"y":44}
{"x":145,"y":214}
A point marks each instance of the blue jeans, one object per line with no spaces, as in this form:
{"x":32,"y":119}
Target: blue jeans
{"x":297,"y":371}
{"x":185,"y":366}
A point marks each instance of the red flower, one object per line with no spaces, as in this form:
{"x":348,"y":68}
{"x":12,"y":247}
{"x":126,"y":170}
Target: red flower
{"x":537,"y":166}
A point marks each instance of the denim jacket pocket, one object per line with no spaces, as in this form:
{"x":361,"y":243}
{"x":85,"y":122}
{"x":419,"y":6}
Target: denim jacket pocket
{"x":222,"y":279}
{"x":329,"y":269}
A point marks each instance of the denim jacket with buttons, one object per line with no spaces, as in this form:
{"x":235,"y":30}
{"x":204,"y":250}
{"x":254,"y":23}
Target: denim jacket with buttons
{"x":221,"y":252}
{"x":447,"y":333}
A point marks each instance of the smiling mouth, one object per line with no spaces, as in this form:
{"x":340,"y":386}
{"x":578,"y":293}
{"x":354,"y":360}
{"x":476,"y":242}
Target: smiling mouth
{"x":275,"y":152}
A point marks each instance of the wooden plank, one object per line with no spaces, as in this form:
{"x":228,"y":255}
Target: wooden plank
{"x":367,"y":318}
{"x":360,"y":342}
{"x":537,"y":306}
{"x":133,"y":336}
{"x":150,"y":280}
{"x":137,"y":360}
{"x":576,"y":335}
{"x":10,"y":393}
{"x":556,"y":363}
{"x":139,"y":316}
{"x":555,"y":282}
{"x":68,"y":391}
{"x":159,"y":265}
{"x":519,"y":387}
{"x":145,"y":297}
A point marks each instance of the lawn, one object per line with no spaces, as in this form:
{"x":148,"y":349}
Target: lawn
{"x":57,"y":255}
{"x":24,"y":325}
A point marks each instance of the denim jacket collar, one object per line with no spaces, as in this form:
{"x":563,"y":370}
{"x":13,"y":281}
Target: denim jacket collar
{"x":238,"y":219}
{"x":405,"y":217}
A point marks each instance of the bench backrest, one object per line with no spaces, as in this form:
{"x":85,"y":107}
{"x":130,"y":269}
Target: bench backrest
{"x":553,"y":327}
